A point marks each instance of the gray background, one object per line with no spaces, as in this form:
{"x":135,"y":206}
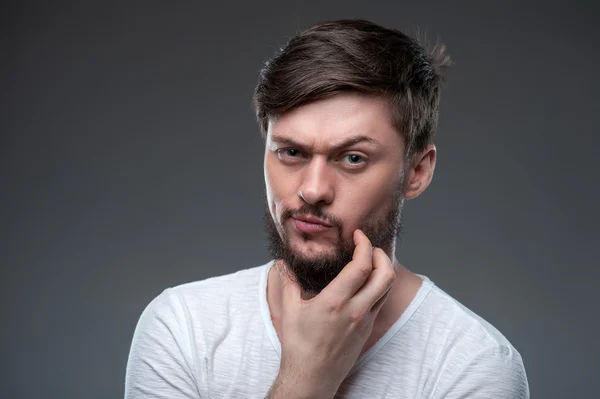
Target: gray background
{"x":130,"y":161}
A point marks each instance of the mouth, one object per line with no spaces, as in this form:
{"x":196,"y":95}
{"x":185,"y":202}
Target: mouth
{"x":309,"y":224}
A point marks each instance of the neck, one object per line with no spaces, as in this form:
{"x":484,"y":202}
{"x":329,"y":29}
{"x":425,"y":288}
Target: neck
{"x":403,"y":291}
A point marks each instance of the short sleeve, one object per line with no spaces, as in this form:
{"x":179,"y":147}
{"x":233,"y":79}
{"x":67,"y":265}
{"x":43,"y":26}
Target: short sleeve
{"x":160,"y":363}
{"x":494,"y":372}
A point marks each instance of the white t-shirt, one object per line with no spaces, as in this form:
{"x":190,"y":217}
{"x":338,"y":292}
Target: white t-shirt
{"x":215,"y":339}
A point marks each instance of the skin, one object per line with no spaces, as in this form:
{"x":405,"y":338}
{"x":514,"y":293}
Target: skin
{"x":374,"y":289}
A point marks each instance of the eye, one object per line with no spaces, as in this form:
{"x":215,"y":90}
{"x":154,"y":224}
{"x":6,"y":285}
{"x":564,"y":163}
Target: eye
{"x":292,"y":152}
{"x":355,"y":159}
{"x":288,"y":153}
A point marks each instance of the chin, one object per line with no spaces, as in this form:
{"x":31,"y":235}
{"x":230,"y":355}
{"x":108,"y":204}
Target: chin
{"x":312,"y":250}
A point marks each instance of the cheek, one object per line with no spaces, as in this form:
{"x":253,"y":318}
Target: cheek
{"x":366,"y":202}
{"x":272,"y":179}
{"x":366,"y":197}
{"x":279,"y":185}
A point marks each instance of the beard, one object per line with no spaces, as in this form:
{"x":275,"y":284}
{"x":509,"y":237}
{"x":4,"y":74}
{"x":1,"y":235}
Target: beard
{"x":315,"y":273}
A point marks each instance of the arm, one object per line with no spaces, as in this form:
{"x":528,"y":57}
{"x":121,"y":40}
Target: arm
{"x":160,"y":363}
{"x":494,"y":372}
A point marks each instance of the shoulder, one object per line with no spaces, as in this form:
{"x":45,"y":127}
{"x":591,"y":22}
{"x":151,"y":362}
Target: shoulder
{"x":472,"y":354}
{"x":187,"y":300}
{"x":173,"y":328}
{"x":220,"y":289}
{"x":446,"y":313}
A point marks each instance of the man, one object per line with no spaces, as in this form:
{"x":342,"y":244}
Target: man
{"x":348,"y":110}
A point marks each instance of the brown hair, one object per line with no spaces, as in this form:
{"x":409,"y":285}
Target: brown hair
{"x":356,"y":55}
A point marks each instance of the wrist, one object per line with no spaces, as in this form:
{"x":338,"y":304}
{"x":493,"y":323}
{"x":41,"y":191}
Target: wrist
{"x":289,"y":387}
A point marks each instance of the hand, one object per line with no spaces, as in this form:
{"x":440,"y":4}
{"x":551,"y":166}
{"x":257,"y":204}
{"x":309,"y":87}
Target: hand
{"x":321,"y":338}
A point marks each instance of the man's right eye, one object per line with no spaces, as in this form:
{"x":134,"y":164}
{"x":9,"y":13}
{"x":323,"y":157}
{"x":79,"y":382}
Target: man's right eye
{"x":288,"y":152}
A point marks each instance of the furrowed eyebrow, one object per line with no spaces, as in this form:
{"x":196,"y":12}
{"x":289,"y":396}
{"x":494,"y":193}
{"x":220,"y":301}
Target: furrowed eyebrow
{"x":346,"y":143}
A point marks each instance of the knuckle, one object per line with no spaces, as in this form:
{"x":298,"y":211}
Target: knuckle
{"x":357,"y":316}
{"x":389,"y":277}
{"x":335,"y":306}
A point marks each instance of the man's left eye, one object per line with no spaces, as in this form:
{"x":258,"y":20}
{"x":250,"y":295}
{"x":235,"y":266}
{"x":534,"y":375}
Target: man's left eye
{"x":354,"y":159}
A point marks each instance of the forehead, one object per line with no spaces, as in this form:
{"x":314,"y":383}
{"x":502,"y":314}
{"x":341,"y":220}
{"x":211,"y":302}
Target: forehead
{"x":326,"y":122}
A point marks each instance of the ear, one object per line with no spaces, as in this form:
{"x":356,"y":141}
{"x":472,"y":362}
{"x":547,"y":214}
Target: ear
{"x":420,"y":172}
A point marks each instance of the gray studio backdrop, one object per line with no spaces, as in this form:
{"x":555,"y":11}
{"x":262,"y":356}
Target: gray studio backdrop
{"x":130,"y":162}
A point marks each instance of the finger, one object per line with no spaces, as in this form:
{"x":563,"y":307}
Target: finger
{"x":364,"y":251}
{"x":374,"y":311}
{"x":380,"y":282}
{"x":354,"y":274}
{"x":380,"y":302}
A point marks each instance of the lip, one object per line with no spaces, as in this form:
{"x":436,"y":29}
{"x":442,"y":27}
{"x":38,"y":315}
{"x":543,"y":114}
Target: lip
{"x":311,"y":220}
{"x":308,"y":227}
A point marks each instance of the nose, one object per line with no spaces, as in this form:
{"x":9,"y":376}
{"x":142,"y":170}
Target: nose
{"x":316,"y":185}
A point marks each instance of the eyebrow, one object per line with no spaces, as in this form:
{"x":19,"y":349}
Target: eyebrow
{"x":346,"y":143}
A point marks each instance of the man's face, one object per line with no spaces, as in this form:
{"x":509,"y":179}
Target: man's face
{"x":339,"y":160}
